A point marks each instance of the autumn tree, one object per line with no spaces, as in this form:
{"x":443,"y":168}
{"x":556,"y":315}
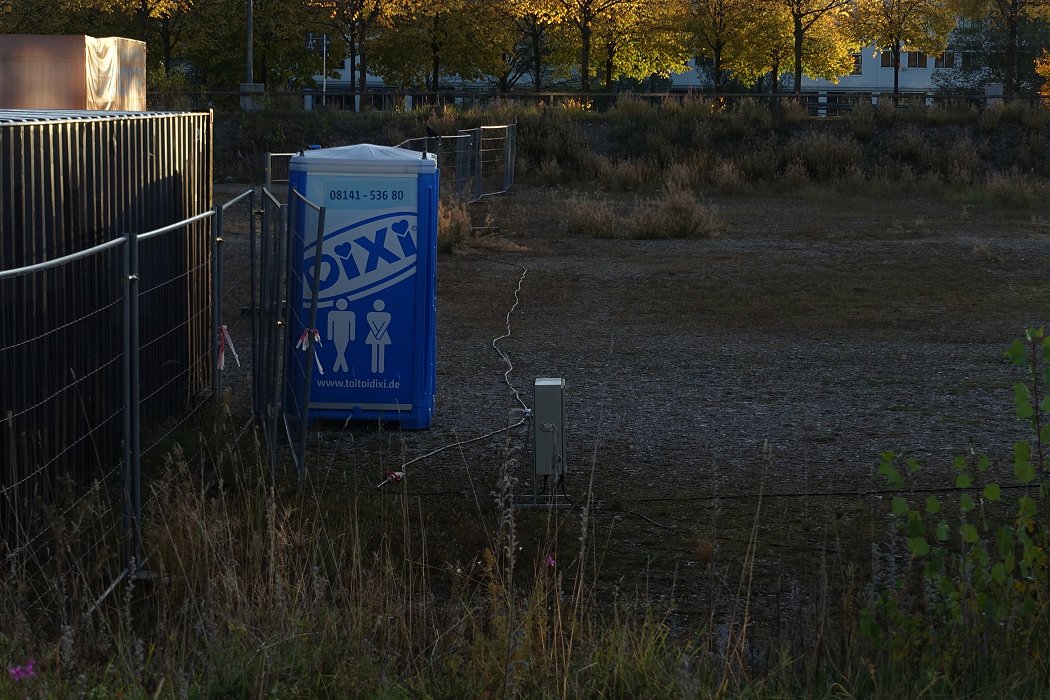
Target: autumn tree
{"x":720,"y":28}
{"x":429,"y":41}
{"x":1010,"y":16}
{"x":587,"y":15}
{"x":826,"y":18}
{"x":919,"y":25}
{"x":768,"y":48}
{"x":650,"y":40}
{"x":95,"y":17}
{"x":534,"y":42}
{"x":357,"y":22}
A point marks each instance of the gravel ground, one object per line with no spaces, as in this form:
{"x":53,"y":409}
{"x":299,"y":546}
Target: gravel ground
{"x":780,"y":358}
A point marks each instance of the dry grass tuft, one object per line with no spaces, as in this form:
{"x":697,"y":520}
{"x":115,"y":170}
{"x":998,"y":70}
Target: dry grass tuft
{"x":628,"y":175}
{"x":1012,"y":189}
{"x":825,"y":155}
{"x":454,"y":224}
{"x":726,"y":176}
{"x":676,"y":213}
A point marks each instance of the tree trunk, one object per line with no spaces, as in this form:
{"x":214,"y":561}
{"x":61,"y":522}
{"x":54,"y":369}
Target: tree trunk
{"x":610,"y":53}
{"x":585,"y":57}
{"x":896,"y":49}
{"x":1010,"y":54}
{"x":362,"y":72}
{"x":351,"y":47}
{"x":165,"y":37}
{"x":435,"y":55}
{"x":537,"y":57}
{"x":718,"y":67}
{"x":799,"y":34}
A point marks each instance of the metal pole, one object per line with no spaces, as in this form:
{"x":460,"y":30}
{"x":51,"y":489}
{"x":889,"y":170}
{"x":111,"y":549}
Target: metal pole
{"x":254,"y":307}
{"x":478,"y":187}
{"x":281,"y":333}
{"x":314,"y":291}
{"x":250,"y":73}
{"x":216,"y":302}
{"x":507,"y":155}
{"x":126,"y":477}
{"x":324,"y":70}
{"x":136,"y":419}
{"x":265,"y":310}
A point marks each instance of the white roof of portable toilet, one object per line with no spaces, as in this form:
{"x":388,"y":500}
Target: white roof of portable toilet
{"x":364,"y":158}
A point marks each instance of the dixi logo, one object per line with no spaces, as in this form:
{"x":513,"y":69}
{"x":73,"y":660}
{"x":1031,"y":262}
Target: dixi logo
{"x":363,"y":258}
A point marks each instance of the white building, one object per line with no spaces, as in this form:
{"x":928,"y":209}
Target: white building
{"x":872,"y":73}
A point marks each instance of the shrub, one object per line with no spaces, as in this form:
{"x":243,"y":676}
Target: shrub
{"x":677,"y":214}
{"x":825,"y":155}
{"x":909,"y":145}
{"x":990,"y":118}
{"x":454,"y":224}
{"x":593,"y":217}
{"x":861,"y":121}
{"x":726,"y":177}
{"x":747,"y":117}
{"x":627,"y":175}
{"x":1011,"y":189}
{"x":885,"y":112}
{"x":686,"y":175}
{"x":791,"y":113}
{"x":961,"y":162}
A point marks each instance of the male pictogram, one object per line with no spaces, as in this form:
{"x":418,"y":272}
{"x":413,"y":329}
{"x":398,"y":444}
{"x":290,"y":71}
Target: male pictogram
{"x":341,"y":330}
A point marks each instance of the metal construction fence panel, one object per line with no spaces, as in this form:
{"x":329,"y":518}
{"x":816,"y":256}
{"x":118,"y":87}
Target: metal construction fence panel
{"x":268,"y":313}
{"x":474,"y":162}
{"x":105,"y":274}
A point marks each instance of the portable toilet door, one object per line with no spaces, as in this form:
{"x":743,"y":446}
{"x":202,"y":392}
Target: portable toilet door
{"x":376,"y":318}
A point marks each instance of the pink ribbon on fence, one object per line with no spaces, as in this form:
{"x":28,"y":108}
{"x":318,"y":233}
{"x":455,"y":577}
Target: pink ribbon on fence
{"x":224,"y":340}
{"x":304,"y":344}
{"x":391,"y":476}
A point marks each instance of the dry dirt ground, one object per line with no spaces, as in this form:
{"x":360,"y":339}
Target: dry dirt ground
{"x":713,"y":384}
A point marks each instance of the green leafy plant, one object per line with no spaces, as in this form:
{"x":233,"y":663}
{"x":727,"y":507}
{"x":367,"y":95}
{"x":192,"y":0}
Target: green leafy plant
{"x":976,"y":591}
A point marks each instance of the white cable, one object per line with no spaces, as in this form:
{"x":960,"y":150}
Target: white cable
{"x":526,"y":411}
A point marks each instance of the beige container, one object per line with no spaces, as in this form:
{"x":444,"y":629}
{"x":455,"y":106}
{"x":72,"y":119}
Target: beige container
{"x":72,"y":72}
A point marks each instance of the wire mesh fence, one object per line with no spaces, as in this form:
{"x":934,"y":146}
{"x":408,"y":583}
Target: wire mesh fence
{"x":76,"y":188}
{"x":475,"y":162}
{"x":268,"y":264}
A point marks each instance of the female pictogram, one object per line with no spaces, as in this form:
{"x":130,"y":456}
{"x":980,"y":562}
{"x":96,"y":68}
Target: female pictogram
{"x":378,"y":335}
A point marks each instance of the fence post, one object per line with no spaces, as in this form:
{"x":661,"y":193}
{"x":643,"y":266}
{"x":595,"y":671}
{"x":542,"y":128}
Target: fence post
{"x":508,"y":154}
{"x":263,"y":306}
{"x":314,"y":291}
{"x":216,"y":304}
{"x":479,"y":188}
{"x":126,"y":534}
{"x":134,"y":374}
{"x":254,"y":308}
{"x":279,"y":330}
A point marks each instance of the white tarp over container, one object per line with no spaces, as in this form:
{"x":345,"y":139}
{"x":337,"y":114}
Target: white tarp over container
{"x":72,"y":72}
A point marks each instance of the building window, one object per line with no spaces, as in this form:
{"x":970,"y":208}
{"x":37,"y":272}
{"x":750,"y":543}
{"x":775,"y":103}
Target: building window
{"x":945,"y":60}
{"x":887,"y":59}
{"x":856,"y":65}
{"x":916,"y":59}
{"x":970,"y":61}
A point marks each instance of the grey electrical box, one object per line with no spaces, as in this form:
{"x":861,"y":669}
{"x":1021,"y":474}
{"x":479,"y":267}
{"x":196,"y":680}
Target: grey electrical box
{"x":548,"y":426}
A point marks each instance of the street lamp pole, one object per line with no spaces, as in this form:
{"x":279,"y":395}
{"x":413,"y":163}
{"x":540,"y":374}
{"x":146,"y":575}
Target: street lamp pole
{"x":250,"y":73}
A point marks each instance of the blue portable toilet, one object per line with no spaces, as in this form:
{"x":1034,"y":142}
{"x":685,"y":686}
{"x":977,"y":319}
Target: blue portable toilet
{"x":377,"y":288}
